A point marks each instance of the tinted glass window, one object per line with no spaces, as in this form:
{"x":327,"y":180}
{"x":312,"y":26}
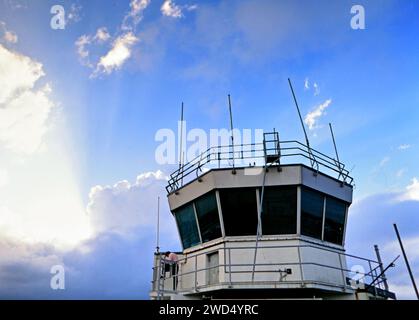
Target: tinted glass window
{"x":208,"y":219}
{"x":311,"y":213}
{"x":239,"y":211}
{"x":185,"y":219}
{"x":279,"y":214}
{"x":334,"y":223}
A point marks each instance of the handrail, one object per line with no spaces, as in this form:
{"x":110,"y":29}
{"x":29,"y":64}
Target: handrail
{"x":222,"y":155}
{"x":231,"y":267}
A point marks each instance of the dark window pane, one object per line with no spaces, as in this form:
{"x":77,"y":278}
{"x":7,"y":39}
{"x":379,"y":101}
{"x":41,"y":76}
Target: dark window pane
{"x":279,"y":214}
{"x":311,"y":213}
{"x":239,"y":211}
{"x":334,"y":223}
{"x":185,"y":219}
{"x":208,"y":219}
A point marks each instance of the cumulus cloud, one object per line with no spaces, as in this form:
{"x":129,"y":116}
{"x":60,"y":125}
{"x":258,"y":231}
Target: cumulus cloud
{"x":117,"y":55}
{"x":124,"y":206}
{"x":24,"y":110}
{"x":114,"y":263}
{"x":312,"y":117}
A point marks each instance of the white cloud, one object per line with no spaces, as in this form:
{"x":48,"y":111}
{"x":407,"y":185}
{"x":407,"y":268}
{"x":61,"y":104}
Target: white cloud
{"x":316,"y":89}
{"x":135,"y":15}
{"x":171,"y":9}
{"x":24,"y":111}
{"x":306,"y":84}
{"x":120,"y":51}
{"x":102,"y":35}
{"x":81,"y":44}
{"x":117,"y":55}
{"x":312,"y":117}
{"x":41,"y":201}
{"x":191,"y":7}
{"x":4,"y":177}
{"x":74,"y":14}
{"x":404,"y":147}
{"x":8,"y":36}
{"x":411,"y":192}
{"x":124,"y":206}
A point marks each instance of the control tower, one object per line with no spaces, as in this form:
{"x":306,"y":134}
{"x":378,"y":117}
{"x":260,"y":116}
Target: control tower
{"x":264,"y":221}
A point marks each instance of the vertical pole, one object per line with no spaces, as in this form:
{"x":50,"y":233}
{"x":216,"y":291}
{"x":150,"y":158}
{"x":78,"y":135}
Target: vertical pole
{"x":158,"y":226}
{"x":377,"y":252}
{"x":312,"y":158}
{"x":231,"y":129}
{"x":406,"y":261}
{"x":336,"y":151}
{"x":299,"y":113}
{"x":181,"y":137}
{"x":196,"y":271}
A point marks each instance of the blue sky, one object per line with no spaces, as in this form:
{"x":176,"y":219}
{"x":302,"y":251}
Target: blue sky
{"x":100,"y":117}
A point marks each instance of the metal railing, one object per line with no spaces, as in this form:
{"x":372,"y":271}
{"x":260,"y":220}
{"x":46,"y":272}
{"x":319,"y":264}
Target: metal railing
{"x":189,"y":278}
{"x":290,"y":152}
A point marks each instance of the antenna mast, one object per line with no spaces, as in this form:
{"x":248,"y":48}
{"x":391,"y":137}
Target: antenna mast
{"x":158,"y":226}
{"x":181,"y":137}
{"x":336,"y":151}
{"x":312,"y":160}
{"x":231,"y":129}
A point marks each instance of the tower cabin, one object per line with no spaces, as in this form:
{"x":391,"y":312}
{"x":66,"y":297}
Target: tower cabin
{"x":263,"y":221}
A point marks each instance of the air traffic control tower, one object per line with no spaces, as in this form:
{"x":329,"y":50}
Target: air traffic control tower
{"x":271,"y":229}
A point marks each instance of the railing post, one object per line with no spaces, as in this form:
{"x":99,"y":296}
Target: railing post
{"x":301,"y":266}
{"x":372,"y":272}
{"x":342,"y":271}
{"x":229,"y":265}
{"x":196,"y":272}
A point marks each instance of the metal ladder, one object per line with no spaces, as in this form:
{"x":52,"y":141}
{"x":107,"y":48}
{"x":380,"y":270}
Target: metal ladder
{"x":271,"y":158}
{"x":161,"y":278}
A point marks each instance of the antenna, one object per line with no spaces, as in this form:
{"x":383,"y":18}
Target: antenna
{"x":412,"y":278}
{"x":158,"y":226}
{"x":299,"y":113}
{"x":336,"y":151}
{"x":181,"y":136}
{"x":302,"y":124}
{"x":231,"y":129}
